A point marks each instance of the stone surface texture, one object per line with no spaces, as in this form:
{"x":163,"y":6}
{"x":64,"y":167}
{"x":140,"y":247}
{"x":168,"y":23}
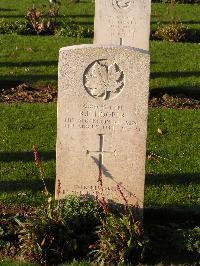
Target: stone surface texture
{"x":123,"y":22}
{"x":102,"y":121}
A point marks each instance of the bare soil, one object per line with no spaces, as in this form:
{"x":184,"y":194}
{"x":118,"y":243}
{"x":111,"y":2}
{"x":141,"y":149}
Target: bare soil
{"x":44,"y":94}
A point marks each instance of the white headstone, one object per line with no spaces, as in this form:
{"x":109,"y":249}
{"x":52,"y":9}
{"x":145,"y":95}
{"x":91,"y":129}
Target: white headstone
{"x":122,"y":22}
{"x":102,"y":121}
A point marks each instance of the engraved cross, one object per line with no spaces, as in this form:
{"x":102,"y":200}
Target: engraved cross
{"x":101,"y":152}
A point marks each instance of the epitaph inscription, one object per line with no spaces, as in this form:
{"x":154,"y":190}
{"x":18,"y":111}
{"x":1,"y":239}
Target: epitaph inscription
{"x":101,"y":132}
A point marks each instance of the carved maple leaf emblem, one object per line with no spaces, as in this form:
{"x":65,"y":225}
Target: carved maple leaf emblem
{"x":123,"y":3}
{"x":103,"y":80}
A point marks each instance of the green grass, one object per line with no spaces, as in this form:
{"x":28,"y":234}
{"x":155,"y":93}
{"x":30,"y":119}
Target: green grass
{"x":172,"y":178}
{"x":22,"y":126}
{"x":188,"y":14}
{"x":34,"y":60}
{"x":30,"y":59}
{"x":171,"y":64}
{"x":15,"y":263}
{"x":172,"y":170}
{"x":174,"y":66}
{"x":82,"y":12}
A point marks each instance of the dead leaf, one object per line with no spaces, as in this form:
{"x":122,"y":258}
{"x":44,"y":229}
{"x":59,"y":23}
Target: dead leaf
{"x":29,"y":49}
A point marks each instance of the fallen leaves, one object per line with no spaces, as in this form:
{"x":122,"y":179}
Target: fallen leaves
{"x":175,"y":101}
{"x":25,"y":93}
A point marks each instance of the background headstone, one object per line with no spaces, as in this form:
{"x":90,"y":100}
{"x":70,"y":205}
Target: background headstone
{"x":122,"y":22}
{"x":102,"y":121}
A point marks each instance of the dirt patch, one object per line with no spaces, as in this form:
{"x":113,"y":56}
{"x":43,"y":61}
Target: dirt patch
{"x":25,"y":93}
{"x":45,"y":94}
{"x":10,"y":209}
{"x":175,"y":101}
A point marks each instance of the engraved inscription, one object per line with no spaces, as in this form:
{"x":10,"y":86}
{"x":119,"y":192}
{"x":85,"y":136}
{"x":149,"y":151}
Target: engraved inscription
{"x":102,"y":117}
{"x":83,"y":189}
{"x":103,"y":80}
{"x":122,"y":29}
{"x":122,"y":3}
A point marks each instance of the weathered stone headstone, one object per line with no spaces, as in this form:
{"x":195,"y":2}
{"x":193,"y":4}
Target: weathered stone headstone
{"x":123,"y":22}
{"x":102,"y":121}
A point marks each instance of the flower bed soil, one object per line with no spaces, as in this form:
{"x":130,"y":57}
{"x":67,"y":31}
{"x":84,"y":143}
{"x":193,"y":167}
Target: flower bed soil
{"x":45,"y":94}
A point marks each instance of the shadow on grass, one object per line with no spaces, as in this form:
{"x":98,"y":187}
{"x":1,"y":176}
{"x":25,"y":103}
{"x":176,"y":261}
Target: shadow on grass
{"x":28,"y":64}
{"x":7,"y":82}
{"x":8,"y":9}
{"x":173,"y":179}
{"x":26,"y":156}
{"x":182,"y":21}
{"x":187,"y":215}
{"x":59,"y":16}
{"x":175,"y":74}
{"x":165,"y":227}
{"x":171,"y":213}
{"x":34,"y":186}
{"x":81,"y":16}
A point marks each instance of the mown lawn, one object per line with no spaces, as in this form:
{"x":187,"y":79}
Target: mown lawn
{"x":34,"y":60}
{"x":173,"y":167}
{"x":173,"y":161}
{"x":84,"y":11}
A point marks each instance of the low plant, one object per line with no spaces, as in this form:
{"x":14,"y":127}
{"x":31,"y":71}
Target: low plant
{"x":43,"y":20}
{"x":173,"y":32}
{"x":59,"y":231}
{"x":9,"y":245}
{"x":192,"y":240}
{"x":120,"y":240}
{"x":17,"y":27}
{"x":36,"y":24}
{"x":174,"y":240}
{"x":73,"y":29}
{"x":120,"y":235}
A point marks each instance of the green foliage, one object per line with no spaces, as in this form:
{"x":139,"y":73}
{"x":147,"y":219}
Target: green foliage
{"x":73,"y":29}
{"x":173,"y":32}
{"x":36,"y":24}
{"x":192,"y":240}
{"x":9,"y":231}
{"x":17,"y":27}
{"x":15,"y":263}
{"x":120,"y":240}
{"x":58,"y":232}
{"x":170,"y":239}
